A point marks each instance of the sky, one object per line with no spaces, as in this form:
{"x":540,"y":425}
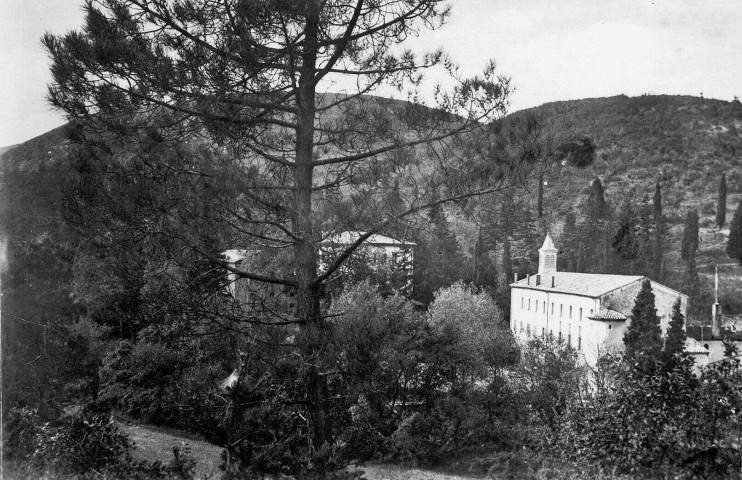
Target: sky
{"x":552,"y":50}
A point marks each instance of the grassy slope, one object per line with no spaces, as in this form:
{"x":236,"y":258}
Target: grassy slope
{"x":153,"y":444}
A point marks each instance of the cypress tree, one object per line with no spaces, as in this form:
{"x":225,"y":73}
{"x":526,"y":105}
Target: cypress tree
{"x":690,"y":235}
{"x":643,"y":337}
{"x":734,"y":244}
{"x":675,"y":343}
{"x":658,"y":232}
{"x":597,"y":208}
{"x":721,"y":204}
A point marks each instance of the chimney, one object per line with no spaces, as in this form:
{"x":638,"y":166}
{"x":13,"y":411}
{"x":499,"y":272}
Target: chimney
{"x":528,"y":279}
{"x":516,"y":277}
{"x":552,"y":281}
{"x":538,"y":280}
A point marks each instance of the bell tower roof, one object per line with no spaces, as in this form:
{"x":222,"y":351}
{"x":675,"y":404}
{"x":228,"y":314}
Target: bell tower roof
{"x":547,"y":256}
{"x":548,"y":244}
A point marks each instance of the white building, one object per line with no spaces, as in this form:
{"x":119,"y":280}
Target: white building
{"x":378,"y":252}
{"x":588,"y":311}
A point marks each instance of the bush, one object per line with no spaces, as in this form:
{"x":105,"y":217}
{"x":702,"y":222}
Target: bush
{"x":85,"y":446}
{"x":80,"y":444}
{"x":674,"y":421}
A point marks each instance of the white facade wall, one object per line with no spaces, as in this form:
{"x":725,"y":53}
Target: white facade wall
{"x":563,"y":315}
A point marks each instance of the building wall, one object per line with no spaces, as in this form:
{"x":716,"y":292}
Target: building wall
{"x":538,"y":312}
{"x":593,"y":337}
{"x":622,"y":300}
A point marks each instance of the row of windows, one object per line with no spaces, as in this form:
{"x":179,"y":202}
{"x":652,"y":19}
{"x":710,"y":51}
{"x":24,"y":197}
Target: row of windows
{"x":559,"y":337}
{"x":543,"y":307}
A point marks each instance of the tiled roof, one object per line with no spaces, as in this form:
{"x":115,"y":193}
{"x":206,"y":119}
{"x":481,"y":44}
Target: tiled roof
{"x":587,"y":284}
{"x":607,"y":314}
{"x":695,"y":347}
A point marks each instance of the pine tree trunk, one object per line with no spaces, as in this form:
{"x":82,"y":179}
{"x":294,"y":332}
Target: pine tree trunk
{"x":306,"y":247}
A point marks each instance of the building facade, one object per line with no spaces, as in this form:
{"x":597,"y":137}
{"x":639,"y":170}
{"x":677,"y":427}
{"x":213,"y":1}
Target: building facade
{"x":590,"y":312}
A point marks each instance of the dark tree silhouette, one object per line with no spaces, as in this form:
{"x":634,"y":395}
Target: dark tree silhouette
{"x":643,"y":337}
{"x":675,"y":342}
{"x":690,"y":235}
{"x":721,"y":203}
{"x":659,"y":227}
{"x":734,"y":244}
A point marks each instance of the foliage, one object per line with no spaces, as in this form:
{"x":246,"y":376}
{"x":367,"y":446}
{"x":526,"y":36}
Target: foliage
{"x":721,"y":204}
{"x":477,"y":325}
{"x":671,"y":421}
{"x":547,"y":377}
{"x":643,"y":337}
{"x":659,"y":229}
{"x":675,"y":341}
{"x":689,"y":244}
{"x":734,"y":244}
{"x":438,"y":258}
{"x":80,"y":444}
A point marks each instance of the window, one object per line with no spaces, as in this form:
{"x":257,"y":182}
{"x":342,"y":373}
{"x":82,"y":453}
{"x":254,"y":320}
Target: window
{"x":550,"y":261}
{"x":579,"y":338}
{"x":561,"y":309}
{"x":528,"y":328}
{"x":569,"y":340}
{"x":521,"y":325}
{"x":560,"y":336}
{"x":543,"y":332}
{"x":544,"y":306}
{"x":580,"y":313}
{"x":529,"y":304}
{"x":521,"y":302}
{"x":552,"y":308}
{"x":570,"y":312}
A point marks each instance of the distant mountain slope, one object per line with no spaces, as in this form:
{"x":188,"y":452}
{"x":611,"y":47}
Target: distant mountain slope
{"x":685,"y":142}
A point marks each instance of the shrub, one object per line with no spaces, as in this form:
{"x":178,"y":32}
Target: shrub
{"x":672,"y":420}
{"x":82,"y":443}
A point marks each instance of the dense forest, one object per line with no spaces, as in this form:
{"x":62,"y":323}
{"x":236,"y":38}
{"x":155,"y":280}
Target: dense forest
{"x":116,"y":292}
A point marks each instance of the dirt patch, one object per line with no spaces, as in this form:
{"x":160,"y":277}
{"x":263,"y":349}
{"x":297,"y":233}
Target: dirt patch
{"x":394,"y":472}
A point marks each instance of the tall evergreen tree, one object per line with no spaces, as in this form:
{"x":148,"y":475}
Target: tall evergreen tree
{"x":594,"y":230}
{"x":734,"y":244}
{"x":597,"y":207}
{"x":675,"y":343}
{"x":658,"y":251}
{"x":643,"y":337}
{"x":721,"y":203}
{"x":438,"y":257}
{"x":690,"y":235}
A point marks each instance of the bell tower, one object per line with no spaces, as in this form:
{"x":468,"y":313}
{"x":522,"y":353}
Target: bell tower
{"x":547,"y":256}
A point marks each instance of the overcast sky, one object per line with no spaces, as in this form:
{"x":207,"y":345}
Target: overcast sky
{"x":552,"y":50}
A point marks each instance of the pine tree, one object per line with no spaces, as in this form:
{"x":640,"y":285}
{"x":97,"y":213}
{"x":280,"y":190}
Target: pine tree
{"x":643,"y":337}
{"x":658,"y":232}
{"x":438,"y":259}
{"x":734,"y":244}
{"x":675,"y":343}
{"x":721,"y":204}
{"x":690,"y":235}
